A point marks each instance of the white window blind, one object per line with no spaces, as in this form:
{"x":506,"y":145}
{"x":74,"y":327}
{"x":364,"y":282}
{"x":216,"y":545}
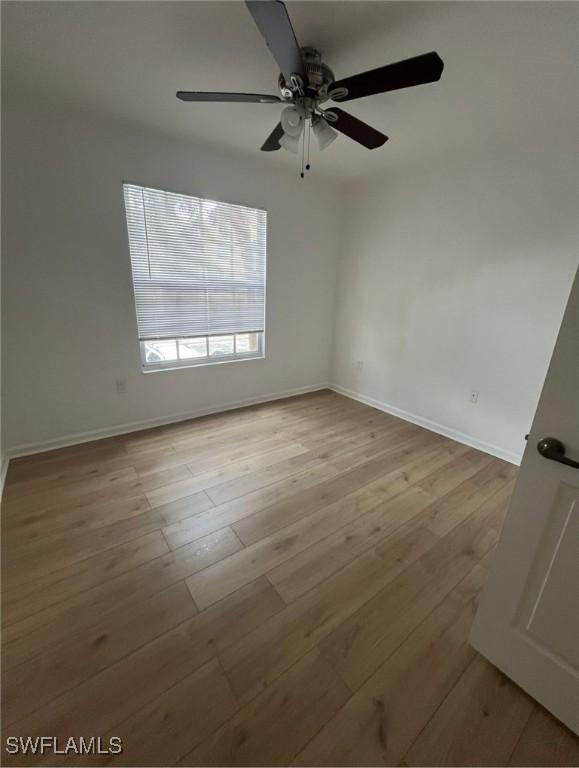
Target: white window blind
{"x":198,"y":265}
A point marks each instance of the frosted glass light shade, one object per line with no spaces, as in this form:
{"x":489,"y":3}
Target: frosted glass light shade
{"x":324,"y":134}
{"x":291,"y":143}
{"x":291,"y":121}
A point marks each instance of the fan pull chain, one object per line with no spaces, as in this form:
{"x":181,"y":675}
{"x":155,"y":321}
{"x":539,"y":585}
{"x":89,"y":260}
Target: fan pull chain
{"x":303,"y":151}
{"x":308,"y":166}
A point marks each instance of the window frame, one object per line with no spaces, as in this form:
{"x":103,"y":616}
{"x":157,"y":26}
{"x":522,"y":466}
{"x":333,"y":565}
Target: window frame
{"x":192,"y":362}
{"x":178,"y":364}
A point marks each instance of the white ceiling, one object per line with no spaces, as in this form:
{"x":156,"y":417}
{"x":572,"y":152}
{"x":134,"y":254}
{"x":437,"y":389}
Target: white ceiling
{"x":503,"y":64}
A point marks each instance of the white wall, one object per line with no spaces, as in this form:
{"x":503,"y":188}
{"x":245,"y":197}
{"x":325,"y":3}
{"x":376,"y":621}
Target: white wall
{"x":454,"y":277}
{"x":69,"y":321}
{"x":3,"y":459}
{"x":456,"y":266}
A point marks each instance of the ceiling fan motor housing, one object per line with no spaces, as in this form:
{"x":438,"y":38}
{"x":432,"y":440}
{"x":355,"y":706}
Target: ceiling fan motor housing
{"x":318,"y":79}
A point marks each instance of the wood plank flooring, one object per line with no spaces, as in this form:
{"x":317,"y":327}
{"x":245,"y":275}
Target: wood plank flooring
{"x":287,"y":584}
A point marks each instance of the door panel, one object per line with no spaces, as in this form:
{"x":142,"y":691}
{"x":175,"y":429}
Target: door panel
{"x":527,"y":623}
{"x":549,"y":610}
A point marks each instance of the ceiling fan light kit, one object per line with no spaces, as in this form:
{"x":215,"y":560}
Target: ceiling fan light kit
{"x":305,"y":82}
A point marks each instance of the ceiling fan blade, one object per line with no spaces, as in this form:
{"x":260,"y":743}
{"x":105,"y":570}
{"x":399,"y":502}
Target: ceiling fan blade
{"x":426,"y":68}
{"x":355,"y":129}
{"x":273,"y":22}
{"x":259,"y":98}
{"x":271,"y":144}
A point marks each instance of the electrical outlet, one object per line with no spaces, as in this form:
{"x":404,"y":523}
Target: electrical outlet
{"x":121,"y":386}
{"x":474,"y":396}
{"x":359,"y":365}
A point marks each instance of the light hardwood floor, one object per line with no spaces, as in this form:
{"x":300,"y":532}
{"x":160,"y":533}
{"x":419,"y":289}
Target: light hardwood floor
{"x":291,"y":583}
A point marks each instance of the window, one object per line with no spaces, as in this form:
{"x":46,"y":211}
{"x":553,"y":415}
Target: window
{"x":198,"y":275}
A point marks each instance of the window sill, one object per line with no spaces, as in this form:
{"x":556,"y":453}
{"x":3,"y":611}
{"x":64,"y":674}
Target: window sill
{"x":204,"y":364}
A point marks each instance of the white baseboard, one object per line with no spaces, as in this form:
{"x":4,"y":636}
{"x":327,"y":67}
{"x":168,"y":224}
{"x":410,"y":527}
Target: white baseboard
{"x":433,"y":426}
{"x":121,"y":429}
{"x":136,"y":426}
{"x":4,"y":461}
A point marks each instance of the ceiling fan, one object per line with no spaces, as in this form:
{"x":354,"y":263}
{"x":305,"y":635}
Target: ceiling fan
{"x":305,"y":82}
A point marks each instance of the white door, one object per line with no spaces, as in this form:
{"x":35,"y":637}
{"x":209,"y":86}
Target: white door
{"x":527,"y":623}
